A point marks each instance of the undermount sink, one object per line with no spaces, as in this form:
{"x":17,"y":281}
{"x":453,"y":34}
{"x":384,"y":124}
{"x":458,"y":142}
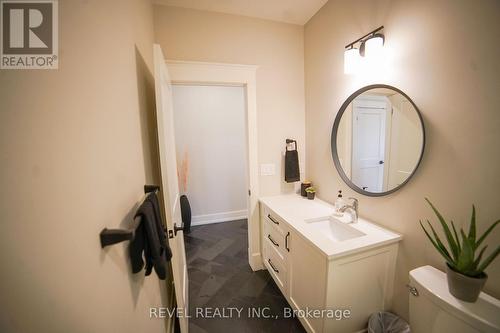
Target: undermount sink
{"x":333,"y":229}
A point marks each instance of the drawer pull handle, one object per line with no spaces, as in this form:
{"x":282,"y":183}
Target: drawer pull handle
{"x":272,"y":241}
{"x":272,"y":266}
{"x":273,"y":220}
{"x":286,"y":241}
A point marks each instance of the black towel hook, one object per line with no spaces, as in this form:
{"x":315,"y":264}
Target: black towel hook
{"x":114,"y":236}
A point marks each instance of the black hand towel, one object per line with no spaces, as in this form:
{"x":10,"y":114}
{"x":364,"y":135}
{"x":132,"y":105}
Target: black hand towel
{"x":292,"y":172}
{"x":159,"y":226}
{"x":150,"y":239}
{"x":136,"y":248}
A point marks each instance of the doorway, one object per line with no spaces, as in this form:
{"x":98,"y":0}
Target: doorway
{"x":210,"y":136}
{"x":231,"y":75}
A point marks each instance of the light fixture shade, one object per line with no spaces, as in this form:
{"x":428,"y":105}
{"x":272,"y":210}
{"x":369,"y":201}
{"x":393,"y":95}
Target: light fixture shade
{"x":374,"y":46}
{"x":351,"y":60}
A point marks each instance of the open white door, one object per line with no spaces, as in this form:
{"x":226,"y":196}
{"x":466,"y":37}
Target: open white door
{"x":368,"y":144}
{"x":170,"y":185}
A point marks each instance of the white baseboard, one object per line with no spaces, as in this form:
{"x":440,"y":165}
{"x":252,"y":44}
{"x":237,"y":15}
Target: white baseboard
{"x":219,"y":217}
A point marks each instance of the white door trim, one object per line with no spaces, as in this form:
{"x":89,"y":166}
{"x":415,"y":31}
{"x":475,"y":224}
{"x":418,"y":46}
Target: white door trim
{"x":193,"y":72}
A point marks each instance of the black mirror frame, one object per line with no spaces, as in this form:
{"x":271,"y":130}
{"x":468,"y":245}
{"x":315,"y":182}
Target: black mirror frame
{"x":334,"y":140}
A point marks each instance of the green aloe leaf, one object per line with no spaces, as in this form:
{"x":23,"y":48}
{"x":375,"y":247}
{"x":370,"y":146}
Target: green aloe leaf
{"x":472,"y":228}
{"x":489,"y":259}
{"x":438,"y":240}
{"x":466,"y":258}
{"x":444,"y":254}
{"x":478,"y":259}
{"x":456,"y":236}
{"x":486,"y":233}
{"x":447,"y":232}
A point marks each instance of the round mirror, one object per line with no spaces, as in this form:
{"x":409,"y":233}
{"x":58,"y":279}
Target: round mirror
{"x":378,"y":140}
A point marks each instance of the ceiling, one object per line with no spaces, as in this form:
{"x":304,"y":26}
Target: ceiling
{"x":289,"y":11}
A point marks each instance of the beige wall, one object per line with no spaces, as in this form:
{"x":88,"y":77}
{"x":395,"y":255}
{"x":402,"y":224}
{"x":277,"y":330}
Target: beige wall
{"x":277,"y":48}
{"x":444,"y":56}
{"x":75,"y":151}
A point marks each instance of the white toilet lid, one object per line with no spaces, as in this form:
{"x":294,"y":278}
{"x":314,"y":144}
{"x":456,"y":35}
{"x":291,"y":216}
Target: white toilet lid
{"x":432,"y":283}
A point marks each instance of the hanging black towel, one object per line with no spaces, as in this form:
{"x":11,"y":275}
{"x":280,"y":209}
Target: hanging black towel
{"x":150,"y":239}
{"x":292,"y":172}
{"x":159,"y":225}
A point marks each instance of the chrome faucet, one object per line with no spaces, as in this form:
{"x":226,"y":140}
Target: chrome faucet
{"x":353,"y":208}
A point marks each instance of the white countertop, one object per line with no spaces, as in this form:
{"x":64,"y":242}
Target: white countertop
{"x":295,"y":209}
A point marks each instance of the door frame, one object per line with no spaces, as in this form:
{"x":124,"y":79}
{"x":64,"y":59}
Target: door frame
{"x":203,"y":73}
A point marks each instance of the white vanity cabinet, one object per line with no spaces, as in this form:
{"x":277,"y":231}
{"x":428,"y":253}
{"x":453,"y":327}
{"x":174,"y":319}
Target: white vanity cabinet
{"x":275,"y":248}
{"x":312,"y":276}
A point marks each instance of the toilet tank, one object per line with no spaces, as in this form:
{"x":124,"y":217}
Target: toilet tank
{"x":435,"y":310}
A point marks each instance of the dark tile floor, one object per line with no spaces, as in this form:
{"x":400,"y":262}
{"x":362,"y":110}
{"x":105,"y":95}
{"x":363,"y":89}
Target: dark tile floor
{"x":220,"y":277}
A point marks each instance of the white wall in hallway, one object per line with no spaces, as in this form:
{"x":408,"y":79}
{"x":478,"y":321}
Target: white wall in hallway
{"x":210,"y":129}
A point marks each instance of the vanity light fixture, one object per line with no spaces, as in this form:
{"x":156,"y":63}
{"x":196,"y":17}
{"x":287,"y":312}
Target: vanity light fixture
{"x":370,"y":48}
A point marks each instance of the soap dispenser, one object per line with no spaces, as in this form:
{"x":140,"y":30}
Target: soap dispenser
{"x":339,"y":203}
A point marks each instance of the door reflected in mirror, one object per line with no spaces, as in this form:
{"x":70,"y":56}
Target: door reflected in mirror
{"x":378,"y":140}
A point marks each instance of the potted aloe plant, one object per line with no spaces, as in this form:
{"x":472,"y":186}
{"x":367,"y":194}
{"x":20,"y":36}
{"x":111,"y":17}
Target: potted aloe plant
{"x":465,"y":270}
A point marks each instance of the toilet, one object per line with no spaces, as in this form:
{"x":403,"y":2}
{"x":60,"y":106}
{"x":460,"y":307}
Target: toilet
{"x":434,"y":310}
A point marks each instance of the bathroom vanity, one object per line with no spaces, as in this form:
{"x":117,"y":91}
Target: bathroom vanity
{"x":320,"y":262}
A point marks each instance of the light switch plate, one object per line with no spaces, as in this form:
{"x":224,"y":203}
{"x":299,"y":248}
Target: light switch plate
{"x":268,"y":169}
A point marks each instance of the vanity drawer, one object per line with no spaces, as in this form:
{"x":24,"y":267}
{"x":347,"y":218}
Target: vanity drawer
{"x":270,"y":219}
{"x":276,"y":266}
{"x":277,"y":239}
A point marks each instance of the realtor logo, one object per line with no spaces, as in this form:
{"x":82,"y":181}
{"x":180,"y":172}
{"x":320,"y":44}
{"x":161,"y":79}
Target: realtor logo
{"x":29,"y":34}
